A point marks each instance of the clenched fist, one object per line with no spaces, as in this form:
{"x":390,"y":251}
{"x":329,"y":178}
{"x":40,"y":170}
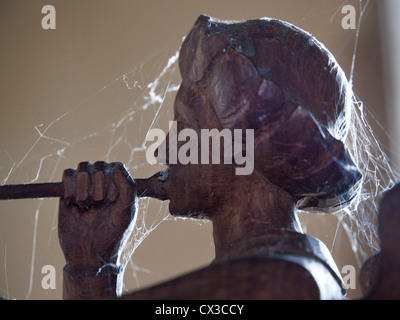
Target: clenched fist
{"x":96,"y":211}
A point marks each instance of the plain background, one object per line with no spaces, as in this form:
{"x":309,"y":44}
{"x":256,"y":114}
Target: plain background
{"x":68,"y":85}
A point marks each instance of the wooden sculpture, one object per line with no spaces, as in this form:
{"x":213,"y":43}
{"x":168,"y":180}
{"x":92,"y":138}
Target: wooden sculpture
{"x":264,"y":75}
{"x":276,"y":79}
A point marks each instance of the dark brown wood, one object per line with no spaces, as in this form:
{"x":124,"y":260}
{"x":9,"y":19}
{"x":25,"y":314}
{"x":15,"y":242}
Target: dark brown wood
{"x":145,"y":188}
{"x":272,"y":77}
{"x":385,"y":276}
{"x":368,"y":273}
{"x":278,"y":80}
{"x":264,"y":75}
{"x":33,"y":190}
{"x":91,"y":229}
{"x":278,"y":265}
{"x":251,"y":278}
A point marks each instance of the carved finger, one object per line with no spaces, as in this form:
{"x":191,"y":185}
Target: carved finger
{"x":83,"y":184}
{"x":112,"y":192}
{"x":69,"y":183}
{"x":121,"y":175}
{"x":98,"y":190}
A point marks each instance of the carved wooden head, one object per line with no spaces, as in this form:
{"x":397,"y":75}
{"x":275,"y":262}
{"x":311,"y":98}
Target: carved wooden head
{"x":275,"y":78}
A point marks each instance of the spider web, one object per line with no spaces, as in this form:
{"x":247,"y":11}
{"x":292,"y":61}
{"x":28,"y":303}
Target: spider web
{"x":119,"y":135}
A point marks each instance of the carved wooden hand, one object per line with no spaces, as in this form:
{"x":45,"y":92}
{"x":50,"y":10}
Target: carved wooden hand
{"x":97,"y":208}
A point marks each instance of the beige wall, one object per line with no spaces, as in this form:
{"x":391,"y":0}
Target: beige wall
{"x":70,"y":81}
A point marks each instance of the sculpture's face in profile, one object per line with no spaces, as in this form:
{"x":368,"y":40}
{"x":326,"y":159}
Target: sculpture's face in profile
{"x":275,"y":79}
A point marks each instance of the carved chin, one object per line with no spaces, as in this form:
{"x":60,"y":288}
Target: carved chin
{"x":197,"y":190}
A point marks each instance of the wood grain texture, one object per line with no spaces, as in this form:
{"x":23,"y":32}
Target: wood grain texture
{"x":265,"y":75}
